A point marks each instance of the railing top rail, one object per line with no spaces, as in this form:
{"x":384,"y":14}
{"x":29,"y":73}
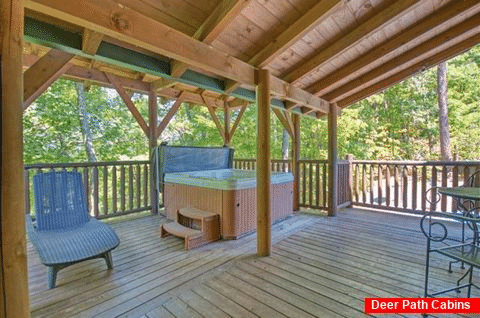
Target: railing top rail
{"x":418,"y":163}
{"x":84,"y":164}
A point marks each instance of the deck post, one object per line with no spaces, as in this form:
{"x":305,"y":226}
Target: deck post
{"x":264,"y":221}
{"x":226,"y":125}
{"x":296,"y":161}
{"x":332,"y":161}
{"x":152,"y":136}
{"x":13,"y":272}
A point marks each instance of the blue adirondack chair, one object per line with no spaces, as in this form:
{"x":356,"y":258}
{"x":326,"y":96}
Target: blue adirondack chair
{"x":62,"y":232}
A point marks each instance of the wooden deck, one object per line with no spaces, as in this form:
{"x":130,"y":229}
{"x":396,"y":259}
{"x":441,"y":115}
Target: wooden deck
{"x":319,"y":267}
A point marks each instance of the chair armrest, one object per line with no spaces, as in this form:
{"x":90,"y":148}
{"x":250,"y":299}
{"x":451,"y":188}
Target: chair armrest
{"x":441,"y":221}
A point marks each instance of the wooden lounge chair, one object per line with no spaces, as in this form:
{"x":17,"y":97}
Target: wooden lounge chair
{"x":62,"y":232}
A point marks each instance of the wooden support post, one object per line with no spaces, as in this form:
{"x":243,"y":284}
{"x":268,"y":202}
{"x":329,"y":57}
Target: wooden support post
{"x":152,"y":136}
{"x":264,"y":222}
{"x":13,"y":272}
{"x":226,"y":125}
{"x":332,"y":161}
{"x":296,"y":161}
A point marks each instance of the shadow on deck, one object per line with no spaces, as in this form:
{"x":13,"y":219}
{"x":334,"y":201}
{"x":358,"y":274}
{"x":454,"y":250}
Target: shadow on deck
{"x":319,"y":267}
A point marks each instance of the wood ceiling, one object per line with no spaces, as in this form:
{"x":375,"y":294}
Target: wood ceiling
{"x":318,"y":52}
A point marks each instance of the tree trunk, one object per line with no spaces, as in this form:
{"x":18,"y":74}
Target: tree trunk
{"x":442,"y":85}
{"x":285,"y":140}
{"x":85,"y":118}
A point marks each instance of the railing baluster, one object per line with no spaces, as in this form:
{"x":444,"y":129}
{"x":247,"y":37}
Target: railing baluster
{"x":145,"y":184}
{"x":138,"y":183}
{"x":434,"y":184}
{"x":424,"y":188}
{"x":105,"y":190}
{"x":414,"y":188}
{"x":364,"y":191}
{"x":387,"y":185}
{"x":405,"y":187}
{"x":304,"y":184}
{"x":95,"y":190}
{"x":130,"y":186}
{"x":371,"y":185}
{"x":317,"y":183}
{"x":395,"y":185}
{"x":114,"y":189}
{"x":444,"y":184}
{"x":310,"y":184}
{"x":380,"y":177}
{"x":122,"y":188}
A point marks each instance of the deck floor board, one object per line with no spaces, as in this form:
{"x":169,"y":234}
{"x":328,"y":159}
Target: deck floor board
{"x":319,"y":267}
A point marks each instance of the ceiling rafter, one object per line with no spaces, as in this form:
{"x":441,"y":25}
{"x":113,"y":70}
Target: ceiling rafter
{"x":446,"y":13}
{"x":91,"y":41}
{"x":347,"y":40}
{"x":294,"y":32}
{"x":412,"y":54}
{"x":224,"y":13}
{"x":117,"y":22}
{"x":381,"y":85}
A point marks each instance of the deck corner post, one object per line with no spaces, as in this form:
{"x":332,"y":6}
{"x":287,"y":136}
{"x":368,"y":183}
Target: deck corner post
{"x":350,"y":159}
{"x":332,"y":161}
{"x":14,"y":296}
{"x":296,"y":162}
{"x":264,"y":227}
{"x":152,"y":136}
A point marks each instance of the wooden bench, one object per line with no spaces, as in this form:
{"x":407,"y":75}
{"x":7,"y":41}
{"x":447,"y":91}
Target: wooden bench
{"x":197,"y":227}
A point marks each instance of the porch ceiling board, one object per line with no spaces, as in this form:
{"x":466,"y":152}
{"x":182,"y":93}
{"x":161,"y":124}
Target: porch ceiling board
{"x":382,"y":84}
{"x":127,"y":25}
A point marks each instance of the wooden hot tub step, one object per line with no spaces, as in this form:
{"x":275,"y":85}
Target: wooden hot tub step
{"x":196,"y":214}
{"x":197,"y":227}
{"x":178,"y":230}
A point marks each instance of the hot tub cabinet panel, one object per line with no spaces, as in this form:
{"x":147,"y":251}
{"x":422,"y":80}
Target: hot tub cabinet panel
{"x":237,"y":207}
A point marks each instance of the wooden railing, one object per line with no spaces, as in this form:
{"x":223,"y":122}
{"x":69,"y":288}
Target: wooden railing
{"x":112,"y":188}
{"x":403,"y":185}
{"x":313,"y":180}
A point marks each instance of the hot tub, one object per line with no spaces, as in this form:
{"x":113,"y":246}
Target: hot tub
{"x":230,"y":193}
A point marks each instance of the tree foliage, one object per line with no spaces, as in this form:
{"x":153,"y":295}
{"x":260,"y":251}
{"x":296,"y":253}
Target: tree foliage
{"x":399,"y":123}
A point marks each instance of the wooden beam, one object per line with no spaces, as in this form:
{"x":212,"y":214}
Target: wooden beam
{"x":332,"y":161}
{"x":128,"y":102}
{"x":152,"y":143}
{"x":177,"y":68}
{"x":91,"y":41}
{"x":43,"y":73}
{"x":447,"y":12}
{"x":161,"y":84}
{"x":223,"y":14}
{"x":289,"y":92}
{"x":237,"y":120}
{"x":296,"y":161}
{"x":418,"y":67}
{"x":13,"y":268}
{"x":294,"y":32}
{"x":226,"y":124}
{"x":161,"y":127}
{"x":283,"y":120}
{"x":127,"y":25}
{"x":412,"y":54}
{"x":211,"y":110}
{"x":230,"y":86}
{"x":347,"y":40}
{"x":264,"y":217}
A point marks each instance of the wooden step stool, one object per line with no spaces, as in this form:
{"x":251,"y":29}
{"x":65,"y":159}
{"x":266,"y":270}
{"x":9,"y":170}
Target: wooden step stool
{"x":197,"y":227}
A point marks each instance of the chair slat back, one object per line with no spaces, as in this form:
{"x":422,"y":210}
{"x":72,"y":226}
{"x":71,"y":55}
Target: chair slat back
{"x":59,"y":200}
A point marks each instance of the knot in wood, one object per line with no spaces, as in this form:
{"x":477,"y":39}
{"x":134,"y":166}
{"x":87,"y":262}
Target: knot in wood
{"x":121,"y":24}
